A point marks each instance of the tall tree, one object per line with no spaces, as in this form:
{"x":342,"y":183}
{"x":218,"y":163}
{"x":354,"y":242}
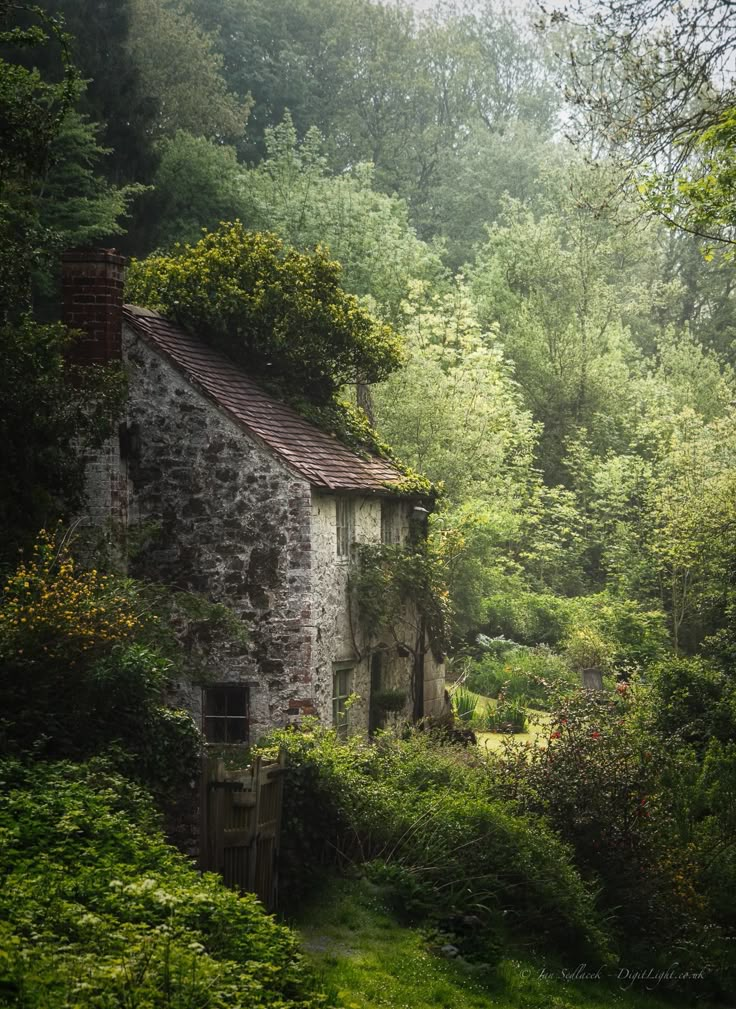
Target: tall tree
{"x":179,"y":67}
{"x":653,"y":84}
{"x":32,"y":110}
{"x":293,"y":193}
{"x":560,"y":312}
{"x":47,"y":421}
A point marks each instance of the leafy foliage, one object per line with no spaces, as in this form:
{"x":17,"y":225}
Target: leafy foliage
{"x":96,"y":907}
{"x":75,"y":679}
{"x":508,"y":716}
{"x":180,"y":71}
{"x":402,"y":590}
{"x":425,"y":809}
{"x":281,"y":313}
{"x":519,"y":673}
{"x":626,"y":796}
{"x":52,"y":412}
{"x":453,"y":411}
{"x":464,"y":703}
{"x":293,"y":193}
{"x":32,"y":110}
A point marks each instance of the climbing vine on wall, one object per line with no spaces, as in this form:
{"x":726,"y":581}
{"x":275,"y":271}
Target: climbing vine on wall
{"x":403,"y":590}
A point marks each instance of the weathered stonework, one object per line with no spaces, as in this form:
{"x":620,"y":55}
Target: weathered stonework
{"x":340,"y":638}
{"x":223,"y":515}
{"x":232,"y":523}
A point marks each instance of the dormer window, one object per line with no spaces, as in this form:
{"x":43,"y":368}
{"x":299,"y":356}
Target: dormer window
{"x":345,"y":525}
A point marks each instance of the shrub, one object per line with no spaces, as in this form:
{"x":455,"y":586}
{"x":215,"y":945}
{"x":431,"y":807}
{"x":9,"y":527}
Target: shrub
{"x":621,"y":795}
{"x":530,"y":618}
{"x":279,"y":312}
{"x":517,"y":672}
{"x":388,"y":700}
{"x":98,"y":911}
{"x":508,"y":716}
{"x":693,"y":700}
{"x":464,"y":704}
{"x":627,"y":634}
{"x":74,"y":681}
{"x":427,"y":808}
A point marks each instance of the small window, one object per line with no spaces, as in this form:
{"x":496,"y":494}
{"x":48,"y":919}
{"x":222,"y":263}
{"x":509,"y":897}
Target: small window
{"x":226,"y":713}
{"x":345,"y":524}
{"x":390,"y":523}
{"x":342,"y":686}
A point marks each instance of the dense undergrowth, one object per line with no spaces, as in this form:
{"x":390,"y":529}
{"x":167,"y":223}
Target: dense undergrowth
{"x":610,"y":844}
{"x":421,"y":815}
{"x":367,"y":958}
{"x":98,"y":911}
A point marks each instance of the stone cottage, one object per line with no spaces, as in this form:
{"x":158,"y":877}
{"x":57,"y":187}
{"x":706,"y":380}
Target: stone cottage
{"x":252,"y":507}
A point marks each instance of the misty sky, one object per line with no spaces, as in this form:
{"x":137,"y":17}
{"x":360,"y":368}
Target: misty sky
{"x":421,"y":5}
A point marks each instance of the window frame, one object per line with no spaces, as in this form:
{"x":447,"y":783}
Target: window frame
{"x":344,"y":526}
{"x":390,"y":523}
{"x":229,"y":719}
{"x":340,"y":715}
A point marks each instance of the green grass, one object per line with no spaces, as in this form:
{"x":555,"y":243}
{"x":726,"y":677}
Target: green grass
{"x":537,"y":732}
{"x":537,"y":728}
{"x":367,"y":960}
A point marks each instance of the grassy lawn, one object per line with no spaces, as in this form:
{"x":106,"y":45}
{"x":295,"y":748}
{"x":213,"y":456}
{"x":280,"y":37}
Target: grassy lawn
{"x":367,"y":960}
{"x":537,"y":728}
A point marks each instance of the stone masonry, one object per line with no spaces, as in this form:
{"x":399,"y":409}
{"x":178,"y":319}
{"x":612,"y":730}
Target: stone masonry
{"x":238,"y":498}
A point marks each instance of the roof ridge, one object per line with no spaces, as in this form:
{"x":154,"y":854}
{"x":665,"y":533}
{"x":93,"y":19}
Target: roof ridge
{"x":319,"y":456}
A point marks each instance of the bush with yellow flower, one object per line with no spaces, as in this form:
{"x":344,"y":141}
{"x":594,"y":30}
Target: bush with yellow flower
{"x":78,"y":674}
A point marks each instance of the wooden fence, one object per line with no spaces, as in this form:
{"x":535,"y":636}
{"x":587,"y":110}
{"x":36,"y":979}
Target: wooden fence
{"x":241,"y":824}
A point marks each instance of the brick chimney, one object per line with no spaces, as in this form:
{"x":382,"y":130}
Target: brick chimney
{"x":92,"y":285}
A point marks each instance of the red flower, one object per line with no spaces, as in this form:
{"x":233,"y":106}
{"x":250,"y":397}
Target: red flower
{"x":596,"y":735}
{"x":555,"y":735}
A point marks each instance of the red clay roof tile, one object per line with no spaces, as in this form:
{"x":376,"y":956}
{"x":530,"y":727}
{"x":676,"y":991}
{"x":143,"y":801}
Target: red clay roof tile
{"x":319,"y":457}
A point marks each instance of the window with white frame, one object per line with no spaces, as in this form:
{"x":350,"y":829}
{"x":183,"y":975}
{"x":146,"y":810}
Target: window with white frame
{"x":342,"y":688}
{"x":225,"y":708}
{"x":345,"y":525}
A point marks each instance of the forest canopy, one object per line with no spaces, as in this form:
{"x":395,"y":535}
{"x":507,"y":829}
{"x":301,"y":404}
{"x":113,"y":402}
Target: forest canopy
{"x":498,"y":240}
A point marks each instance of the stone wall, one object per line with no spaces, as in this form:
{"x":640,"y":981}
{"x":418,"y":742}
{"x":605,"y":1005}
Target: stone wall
{"x":435,"y":703}
{"x":228,"y":520}
{"x":338,"y":635}
{"x":220,"y":515}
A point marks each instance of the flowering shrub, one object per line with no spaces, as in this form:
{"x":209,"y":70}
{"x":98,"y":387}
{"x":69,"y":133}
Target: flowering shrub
{"x":51,"y":610}
{"x":620,"y":794}
{"x":76,"y":676}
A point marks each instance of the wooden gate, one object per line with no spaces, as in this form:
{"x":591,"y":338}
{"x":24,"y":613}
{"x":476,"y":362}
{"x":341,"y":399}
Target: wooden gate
{"x":241,"y":824}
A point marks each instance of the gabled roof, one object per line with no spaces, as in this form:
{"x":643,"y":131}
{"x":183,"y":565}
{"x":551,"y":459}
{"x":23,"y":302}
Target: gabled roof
{"x":319,"y":457}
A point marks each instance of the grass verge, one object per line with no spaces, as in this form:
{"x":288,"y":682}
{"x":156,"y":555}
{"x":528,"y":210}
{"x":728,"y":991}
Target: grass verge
{"x":366,"y":959}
